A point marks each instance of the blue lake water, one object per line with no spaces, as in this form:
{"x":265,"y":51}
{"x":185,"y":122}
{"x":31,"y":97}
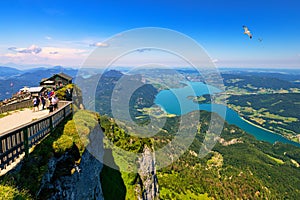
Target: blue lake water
{"x":176,"y":101}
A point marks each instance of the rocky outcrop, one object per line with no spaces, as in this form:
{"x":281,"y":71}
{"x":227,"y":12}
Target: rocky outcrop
{"x":67,"y":180}
{"x":148,"y":185}
{"x":230,"y":142}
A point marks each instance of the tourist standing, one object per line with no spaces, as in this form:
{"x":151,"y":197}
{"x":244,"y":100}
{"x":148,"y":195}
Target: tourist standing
{"x":36,"y":103}
{"x":54,"y":101}
{"x":43,"y":100}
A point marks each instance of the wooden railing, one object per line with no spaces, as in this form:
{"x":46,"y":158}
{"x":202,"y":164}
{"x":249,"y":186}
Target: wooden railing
{"x":18,"y":141}
{"x":15,"y":106}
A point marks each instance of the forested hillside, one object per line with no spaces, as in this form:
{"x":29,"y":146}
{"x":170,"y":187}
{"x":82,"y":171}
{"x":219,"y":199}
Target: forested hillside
{"x":278,"y":112}
{"x":238,"y":166}
{"x":253,"y":83}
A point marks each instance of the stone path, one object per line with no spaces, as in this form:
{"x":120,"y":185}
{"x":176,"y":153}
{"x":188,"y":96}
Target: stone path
{"x":18,"y":118}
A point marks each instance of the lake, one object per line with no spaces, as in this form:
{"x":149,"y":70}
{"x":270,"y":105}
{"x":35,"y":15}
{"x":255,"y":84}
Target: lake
{"x":176,"y":101}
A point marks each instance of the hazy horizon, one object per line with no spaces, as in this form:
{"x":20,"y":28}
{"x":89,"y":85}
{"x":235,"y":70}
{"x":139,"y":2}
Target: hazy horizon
{"x":128,"y":67}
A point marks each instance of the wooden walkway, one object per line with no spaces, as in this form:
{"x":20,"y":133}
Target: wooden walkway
{"x":19,"y":139}
{"x":20,"y":117}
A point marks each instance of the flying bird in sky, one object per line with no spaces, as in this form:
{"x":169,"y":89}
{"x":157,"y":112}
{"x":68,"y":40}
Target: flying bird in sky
{"x":246,"y":31}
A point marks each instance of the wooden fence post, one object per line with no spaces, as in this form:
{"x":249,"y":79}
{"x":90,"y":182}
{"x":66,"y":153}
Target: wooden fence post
{"x":51,"y":124}
{"x":1,"y":149}
{"x":26,"y":142}
{"x":65,"y":112}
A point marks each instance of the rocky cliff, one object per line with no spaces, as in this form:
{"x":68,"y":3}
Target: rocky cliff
{"x":148,"y":185}
{"x":66,"y":180}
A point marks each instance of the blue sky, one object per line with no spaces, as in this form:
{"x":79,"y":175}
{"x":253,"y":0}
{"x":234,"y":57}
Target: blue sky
{"x":42,"y":33}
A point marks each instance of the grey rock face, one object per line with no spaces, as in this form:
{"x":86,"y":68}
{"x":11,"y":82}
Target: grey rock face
{"x":84,"y":183}
{"x":147,"y":173}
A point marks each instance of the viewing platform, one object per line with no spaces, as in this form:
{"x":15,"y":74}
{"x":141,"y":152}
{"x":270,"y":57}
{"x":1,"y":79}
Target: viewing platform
{"x":19,"y":117}
{"x":23,"y":129}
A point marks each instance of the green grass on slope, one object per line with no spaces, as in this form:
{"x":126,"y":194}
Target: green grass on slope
{"x":10,"y":192}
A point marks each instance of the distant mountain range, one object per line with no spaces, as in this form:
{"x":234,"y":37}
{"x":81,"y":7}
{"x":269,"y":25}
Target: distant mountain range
{"x":269,"y":81}
{"x":8,"y":71}
{"x":291,"y":75}
{"x":12,"y":79}
{"x":275,"y":79}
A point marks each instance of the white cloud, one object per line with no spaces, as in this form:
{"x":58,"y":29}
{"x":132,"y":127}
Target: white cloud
{"x":48,"y":38}
{"x":215,"y":60}
{"x":12,"y":55}
{"x":33,"y":49}
{"x":99,"y":44}
{"x":63,"y":50}
{"x":53,"y":52}
{"x":67,"y":56}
